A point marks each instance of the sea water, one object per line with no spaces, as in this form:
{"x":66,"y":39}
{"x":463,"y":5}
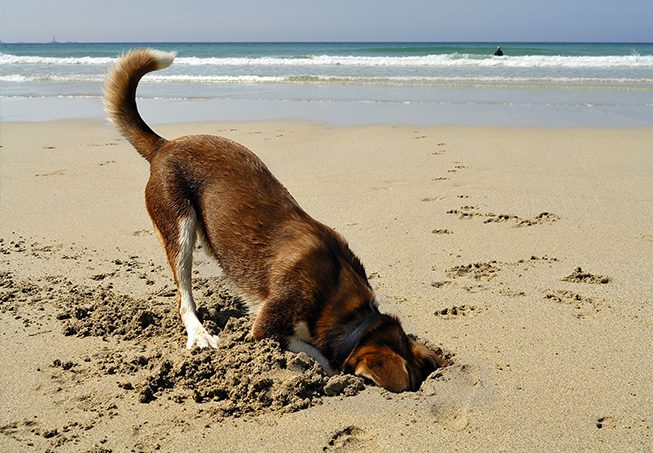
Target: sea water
{"x":539,"y":84}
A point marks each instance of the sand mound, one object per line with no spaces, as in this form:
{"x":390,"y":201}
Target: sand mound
{"x":242,"y":376}
{"x":239,"y":377}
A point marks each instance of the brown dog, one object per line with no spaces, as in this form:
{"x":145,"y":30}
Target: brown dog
{"x":301,"y":281}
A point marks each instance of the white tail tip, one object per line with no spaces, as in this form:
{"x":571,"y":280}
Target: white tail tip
{"x":164,"y":59}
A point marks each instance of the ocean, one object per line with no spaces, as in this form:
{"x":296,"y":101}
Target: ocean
{"x":532,"y":84}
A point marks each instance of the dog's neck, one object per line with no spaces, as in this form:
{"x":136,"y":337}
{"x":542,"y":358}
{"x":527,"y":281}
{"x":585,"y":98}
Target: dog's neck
{"x":351,"y":341}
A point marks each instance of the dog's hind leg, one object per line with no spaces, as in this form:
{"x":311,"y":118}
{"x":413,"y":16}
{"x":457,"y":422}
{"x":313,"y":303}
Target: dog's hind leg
{"x":197,"y":335}
{"x":178,"y":241}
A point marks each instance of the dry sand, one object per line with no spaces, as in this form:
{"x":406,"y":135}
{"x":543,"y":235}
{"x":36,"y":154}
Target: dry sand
{"x":525,"y":253}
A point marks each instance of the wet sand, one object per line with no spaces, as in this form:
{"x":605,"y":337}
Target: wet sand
{"x":525,"y":253}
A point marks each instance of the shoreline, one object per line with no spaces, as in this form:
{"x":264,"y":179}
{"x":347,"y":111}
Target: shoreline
{"x":472,"y":235}
{"x":511,"y":113}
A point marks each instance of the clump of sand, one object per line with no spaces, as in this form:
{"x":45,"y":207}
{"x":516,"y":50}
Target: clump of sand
{"x":578,"y":276}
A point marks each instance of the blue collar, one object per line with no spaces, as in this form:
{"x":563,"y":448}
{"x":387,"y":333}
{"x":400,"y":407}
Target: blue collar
{"x":350,"y":342}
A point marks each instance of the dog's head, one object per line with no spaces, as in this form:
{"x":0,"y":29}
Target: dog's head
{"x":391,"y":359}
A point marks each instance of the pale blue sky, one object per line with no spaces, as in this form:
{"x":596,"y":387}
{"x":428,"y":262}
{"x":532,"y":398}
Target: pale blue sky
{"x":326,"y":20}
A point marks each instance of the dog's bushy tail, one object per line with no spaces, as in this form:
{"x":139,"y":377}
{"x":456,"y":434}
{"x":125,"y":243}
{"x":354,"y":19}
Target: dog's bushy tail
{"x":120,"y":97}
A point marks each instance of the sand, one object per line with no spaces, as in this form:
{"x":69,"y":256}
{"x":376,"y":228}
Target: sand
{"x":524,"y":253}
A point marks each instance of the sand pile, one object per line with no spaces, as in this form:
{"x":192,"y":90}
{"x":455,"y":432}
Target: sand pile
{"x":241,"y":376}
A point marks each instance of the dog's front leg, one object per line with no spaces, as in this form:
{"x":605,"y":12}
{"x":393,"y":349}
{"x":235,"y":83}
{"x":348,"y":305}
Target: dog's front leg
{"x":270,"y":323}
{"x":296,"y":345}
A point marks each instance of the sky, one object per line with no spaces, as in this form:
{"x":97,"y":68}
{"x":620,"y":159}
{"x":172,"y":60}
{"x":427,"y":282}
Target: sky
{"x":326,"y":20}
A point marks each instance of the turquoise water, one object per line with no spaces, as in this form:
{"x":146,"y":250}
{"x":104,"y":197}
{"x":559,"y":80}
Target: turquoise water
{"x":534,"y":76}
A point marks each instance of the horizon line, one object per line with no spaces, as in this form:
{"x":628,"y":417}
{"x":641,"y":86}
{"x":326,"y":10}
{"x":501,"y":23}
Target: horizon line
{"x":326,"y":42}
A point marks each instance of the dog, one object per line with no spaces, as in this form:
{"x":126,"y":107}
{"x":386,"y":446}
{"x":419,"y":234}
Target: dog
{"x":303,"y":285}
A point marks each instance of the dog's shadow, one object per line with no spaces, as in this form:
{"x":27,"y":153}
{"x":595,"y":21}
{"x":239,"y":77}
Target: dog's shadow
{"x":218,"y":302}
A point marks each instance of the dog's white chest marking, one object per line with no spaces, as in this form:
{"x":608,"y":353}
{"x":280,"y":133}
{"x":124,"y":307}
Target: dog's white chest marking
{"x":302,"y":333}
{"x":301,"y":342}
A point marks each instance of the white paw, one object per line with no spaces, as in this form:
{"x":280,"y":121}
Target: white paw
{"x":201,"y":339}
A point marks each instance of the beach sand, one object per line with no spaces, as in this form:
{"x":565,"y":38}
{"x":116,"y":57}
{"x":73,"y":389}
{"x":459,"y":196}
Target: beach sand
{"x":524,"y":253}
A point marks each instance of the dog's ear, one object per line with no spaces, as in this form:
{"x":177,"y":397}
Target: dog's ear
{"x":426,"y":360}
{"x":383,"y":366}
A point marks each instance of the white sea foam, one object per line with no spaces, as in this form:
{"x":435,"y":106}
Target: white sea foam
{"x":8,"y":59}
{"x":448,"y":60}
{"x":17,"y":78}
{"x":535,"y":61}
{"x":557,"y":82}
